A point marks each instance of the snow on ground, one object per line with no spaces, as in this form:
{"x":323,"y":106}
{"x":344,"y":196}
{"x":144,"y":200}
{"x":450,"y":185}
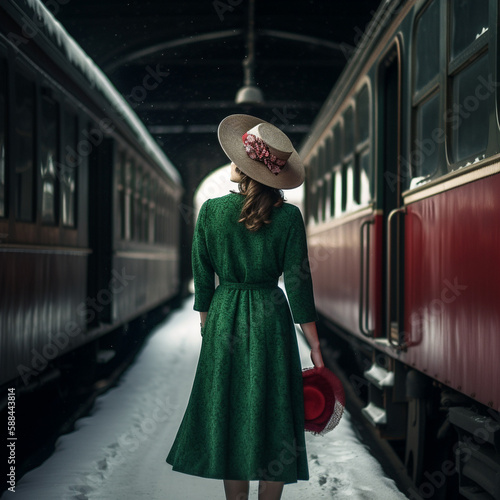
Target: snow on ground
{"x":119,"y":451}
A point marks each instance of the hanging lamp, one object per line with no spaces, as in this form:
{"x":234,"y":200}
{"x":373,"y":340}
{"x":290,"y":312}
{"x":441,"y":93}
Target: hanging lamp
{"x":250,"y":93}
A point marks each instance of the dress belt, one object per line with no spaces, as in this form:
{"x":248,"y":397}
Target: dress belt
{"x":248,"y":286}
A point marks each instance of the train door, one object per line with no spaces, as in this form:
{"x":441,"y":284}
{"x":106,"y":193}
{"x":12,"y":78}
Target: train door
{"x":391,"y":176}
{"x":387,"y":408}
{"x":100,"y":230}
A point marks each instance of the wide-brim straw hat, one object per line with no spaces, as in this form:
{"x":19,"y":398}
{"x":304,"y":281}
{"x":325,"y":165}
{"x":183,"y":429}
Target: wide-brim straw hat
{"x":231,"y":131}
{"x":324,"y":400}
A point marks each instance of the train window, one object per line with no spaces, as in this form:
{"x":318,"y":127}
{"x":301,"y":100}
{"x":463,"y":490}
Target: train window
{"x":363,"y":112}
{"x":145,"y":208}
{"x":348,"y":131}
{"x":168,"y":218}
{"x":152,"y":209}
{"x":68,"y":170}
{"x":24,"y":147}
{"x":327,"y":192}
{"x":117,"y":208}
{"x":49,"y":160}
{"x":321,"y":182}
{"x":345,"y":169}
{"x":328,"y":157}
{"x":315,"y":192}
{"x":158,"y":214}
{"x":171,"y":222}
{"x":427,"y":46}
{"x":332,"y":195}
{"x":161,"y":214}
{"x":319,"y":202}
{"x":171,"y":225}
{"x":3,"y":122}
{"x":469,"y":21}
{"x":324,"y":199}
{"x":362,"y":173}
{"x":352,"y":191}
{"x":314,"y":206}
{"x":356,"y":183}
{"x":164,"y":218}
{"x":138,"y":204}
{"x":120,"y":193}
{"x":338,"y":191}
{"x":470,"y":130}
{"x":365,"y":194}
{"x":307,"y":196}
{"x":312,"y":189}
{"x":129,"y":207}
{"x":320,"y":163}
{"x":168,"y":212}
{"x":308,"y":193}
{"x":425,"y":159}
{"x":337,"y":144}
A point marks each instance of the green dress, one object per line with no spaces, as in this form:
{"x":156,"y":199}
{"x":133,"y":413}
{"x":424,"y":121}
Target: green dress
{"x":245,"y":416}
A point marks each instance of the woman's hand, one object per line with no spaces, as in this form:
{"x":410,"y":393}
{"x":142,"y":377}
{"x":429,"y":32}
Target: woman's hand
{"x":317,"y":358}
{"x":311,"y":334}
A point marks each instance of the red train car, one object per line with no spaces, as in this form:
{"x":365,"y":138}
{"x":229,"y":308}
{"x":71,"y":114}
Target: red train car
{"x":403,"y":211}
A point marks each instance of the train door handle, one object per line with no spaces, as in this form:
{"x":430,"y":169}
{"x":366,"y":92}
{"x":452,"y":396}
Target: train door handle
{"x":393,"y":213}
{"x":364,"y":279}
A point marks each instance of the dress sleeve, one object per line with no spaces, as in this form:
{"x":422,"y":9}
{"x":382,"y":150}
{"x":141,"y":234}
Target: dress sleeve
{"x":203,"y":271}
{"x":297,"y":273}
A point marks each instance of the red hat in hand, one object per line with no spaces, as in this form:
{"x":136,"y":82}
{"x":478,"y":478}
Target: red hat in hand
{"x":324,"y":400}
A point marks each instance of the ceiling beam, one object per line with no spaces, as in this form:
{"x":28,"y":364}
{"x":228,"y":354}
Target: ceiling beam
{"x":217,"y":35}
{"x":170,"y":44}
{"x":209,"y":104}
{"x":212,"y":129}
{"x":311,"y":40}
{"x":334,"y":61}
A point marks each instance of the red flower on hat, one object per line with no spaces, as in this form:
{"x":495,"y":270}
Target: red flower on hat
{"x":258,"y":150}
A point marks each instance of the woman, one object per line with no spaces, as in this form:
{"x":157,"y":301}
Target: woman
{"x":245,"y":416}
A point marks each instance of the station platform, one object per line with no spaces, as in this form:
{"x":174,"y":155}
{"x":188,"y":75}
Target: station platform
{"x":119,"y":450}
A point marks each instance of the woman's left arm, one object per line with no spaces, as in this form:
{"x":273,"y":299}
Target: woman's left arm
{"x":203,"y":272}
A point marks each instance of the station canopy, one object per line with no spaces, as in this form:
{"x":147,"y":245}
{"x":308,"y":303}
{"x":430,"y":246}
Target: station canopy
{"x":180,"y":64}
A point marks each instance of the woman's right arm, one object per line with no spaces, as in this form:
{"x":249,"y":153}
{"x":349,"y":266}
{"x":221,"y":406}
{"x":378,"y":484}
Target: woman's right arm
{"x":311,"y":334}
{"x":298,"y":284}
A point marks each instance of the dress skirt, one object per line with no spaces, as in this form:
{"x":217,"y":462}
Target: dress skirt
{"x":245,"y":416}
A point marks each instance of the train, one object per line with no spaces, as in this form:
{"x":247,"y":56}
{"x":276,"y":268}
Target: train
{"x":89,"y":217}
{"x":402,"y":207}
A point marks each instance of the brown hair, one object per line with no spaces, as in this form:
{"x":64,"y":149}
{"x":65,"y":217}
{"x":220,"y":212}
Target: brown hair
{"x":259,"y":201}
